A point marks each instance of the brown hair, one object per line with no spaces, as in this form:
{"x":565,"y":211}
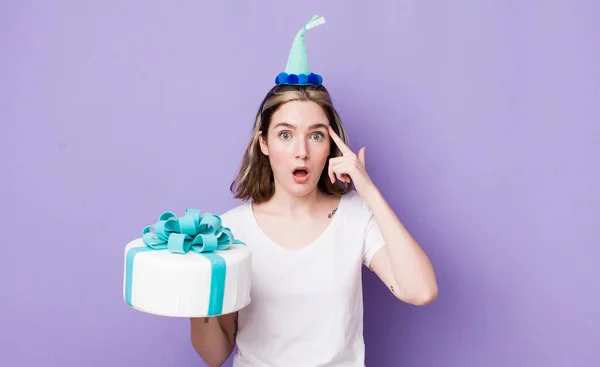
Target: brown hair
{"x":254,"y":179}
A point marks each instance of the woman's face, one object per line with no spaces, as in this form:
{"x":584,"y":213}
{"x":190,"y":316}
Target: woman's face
{"x":298,"y":146}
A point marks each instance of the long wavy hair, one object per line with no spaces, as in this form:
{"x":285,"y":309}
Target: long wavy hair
{"x":254,"y":179}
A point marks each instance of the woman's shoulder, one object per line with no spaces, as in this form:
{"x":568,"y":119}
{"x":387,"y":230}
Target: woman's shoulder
{"x":235,"y":214}
{"x":355,"y":210}
{"x":354,"y":201}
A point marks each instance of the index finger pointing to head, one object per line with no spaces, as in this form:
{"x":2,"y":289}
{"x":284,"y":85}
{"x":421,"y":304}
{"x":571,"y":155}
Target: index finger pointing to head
{"x":339,"y":142}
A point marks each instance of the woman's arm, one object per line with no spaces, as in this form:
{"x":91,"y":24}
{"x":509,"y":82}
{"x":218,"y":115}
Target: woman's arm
{"x":402,"y":265}
{"x":213,"y":338}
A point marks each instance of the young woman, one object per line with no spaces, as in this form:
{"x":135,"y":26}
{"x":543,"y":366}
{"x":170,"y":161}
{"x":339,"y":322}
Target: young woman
{"x":310,"y":234}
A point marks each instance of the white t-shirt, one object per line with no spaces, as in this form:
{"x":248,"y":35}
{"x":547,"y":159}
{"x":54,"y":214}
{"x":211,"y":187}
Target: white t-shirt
{"x":307,"y":305}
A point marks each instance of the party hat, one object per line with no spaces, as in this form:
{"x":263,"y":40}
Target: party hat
{"x":297,"y":70}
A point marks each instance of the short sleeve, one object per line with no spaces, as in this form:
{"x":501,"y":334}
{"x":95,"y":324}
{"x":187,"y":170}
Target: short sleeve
{"x":373,"y":239}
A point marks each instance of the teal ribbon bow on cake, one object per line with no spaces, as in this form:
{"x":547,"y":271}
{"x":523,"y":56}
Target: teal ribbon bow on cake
{"x":196,"y":232}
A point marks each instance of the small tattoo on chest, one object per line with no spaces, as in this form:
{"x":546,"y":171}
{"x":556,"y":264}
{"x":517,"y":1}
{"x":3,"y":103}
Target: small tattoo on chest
{"x":332,"y":213}
{"x":392,"y":287}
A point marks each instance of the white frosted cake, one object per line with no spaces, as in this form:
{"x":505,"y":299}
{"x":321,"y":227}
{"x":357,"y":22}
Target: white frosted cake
{"x":189,"y":266}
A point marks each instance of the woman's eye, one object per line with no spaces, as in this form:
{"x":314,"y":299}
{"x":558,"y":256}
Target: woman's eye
{"x":317,"y":136}
{"x":284,"y":135}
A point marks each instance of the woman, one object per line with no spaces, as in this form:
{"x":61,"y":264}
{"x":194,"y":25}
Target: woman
{"x":310,"y":234}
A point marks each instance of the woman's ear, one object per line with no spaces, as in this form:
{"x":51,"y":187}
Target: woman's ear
{"x":263,"y":143}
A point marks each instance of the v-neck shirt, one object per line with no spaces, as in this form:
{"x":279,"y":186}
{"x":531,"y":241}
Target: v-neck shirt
{"x":306,"y":304}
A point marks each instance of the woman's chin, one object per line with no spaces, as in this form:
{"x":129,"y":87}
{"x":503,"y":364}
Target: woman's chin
{"x":301,"y":189}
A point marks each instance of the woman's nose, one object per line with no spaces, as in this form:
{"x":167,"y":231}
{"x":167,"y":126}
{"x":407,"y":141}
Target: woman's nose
{"x":301,"y":150}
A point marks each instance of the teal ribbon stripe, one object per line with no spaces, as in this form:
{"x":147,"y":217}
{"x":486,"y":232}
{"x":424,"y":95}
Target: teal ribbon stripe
{"x":195,"y":232}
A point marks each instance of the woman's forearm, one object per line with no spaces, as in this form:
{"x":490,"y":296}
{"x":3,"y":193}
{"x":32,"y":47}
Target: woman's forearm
{"x":213,"y":338}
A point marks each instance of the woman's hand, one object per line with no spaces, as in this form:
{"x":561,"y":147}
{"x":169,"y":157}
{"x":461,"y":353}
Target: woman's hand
{"x":349,"y":167}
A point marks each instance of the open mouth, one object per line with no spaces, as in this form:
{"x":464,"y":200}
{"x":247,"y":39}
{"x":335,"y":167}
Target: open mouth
{"x":300,"y":172}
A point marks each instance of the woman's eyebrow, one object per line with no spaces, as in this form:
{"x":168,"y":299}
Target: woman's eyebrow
{"x":284,"y":124}
{"x":318,"y":126}
{"x":311,"y":127}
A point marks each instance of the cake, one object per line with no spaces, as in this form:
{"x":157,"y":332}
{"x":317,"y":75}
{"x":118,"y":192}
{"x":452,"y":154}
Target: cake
{"x":191,"y":266}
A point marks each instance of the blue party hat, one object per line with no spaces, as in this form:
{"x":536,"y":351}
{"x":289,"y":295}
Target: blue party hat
{"x":297,"y":70}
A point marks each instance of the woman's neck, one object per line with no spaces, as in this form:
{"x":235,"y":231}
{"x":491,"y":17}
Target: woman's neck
{"x":287,"y":203}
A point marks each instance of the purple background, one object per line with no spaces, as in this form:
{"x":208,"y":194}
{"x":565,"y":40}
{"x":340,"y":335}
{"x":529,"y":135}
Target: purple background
{"x":482,"y":126}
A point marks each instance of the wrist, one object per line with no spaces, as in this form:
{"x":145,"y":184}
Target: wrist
{"x":371,"y":193}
